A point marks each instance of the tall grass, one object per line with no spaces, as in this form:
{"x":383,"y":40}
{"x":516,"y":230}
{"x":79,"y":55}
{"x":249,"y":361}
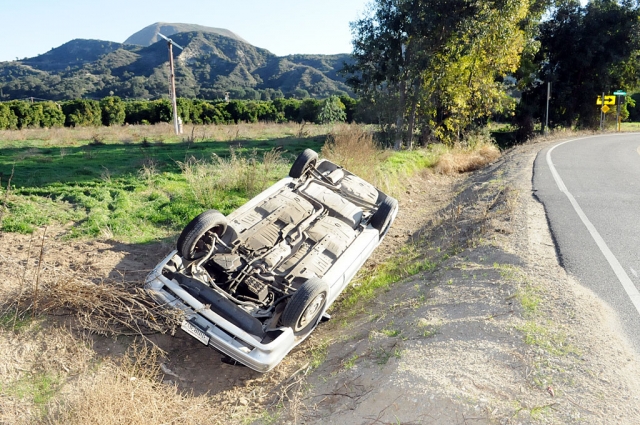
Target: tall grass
{"x":243,"y":174}
{"x":354,"y":148}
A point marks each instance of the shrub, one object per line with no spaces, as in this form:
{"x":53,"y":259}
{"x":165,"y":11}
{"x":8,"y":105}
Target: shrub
{"x":113,"y":111}
{"x":82,"y":113}
{"x":8,"y":119}
{"x":52,"y":115}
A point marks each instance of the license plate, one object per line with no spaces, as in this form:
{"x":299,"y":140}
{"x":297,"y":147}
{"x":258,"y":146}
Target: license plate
{"x":195,"y":332}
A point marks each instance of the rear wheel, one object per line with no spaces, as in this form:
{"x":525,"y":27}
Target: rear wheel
{"x":196,"y":239}
{"x":306,"y":159}
{"x":382,"y":218}
{"x":305,"y":306}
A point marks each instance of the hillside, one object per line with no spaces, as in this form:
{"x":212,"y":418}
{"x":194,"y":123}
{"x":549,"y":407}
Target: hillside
{"x":210,"y":65}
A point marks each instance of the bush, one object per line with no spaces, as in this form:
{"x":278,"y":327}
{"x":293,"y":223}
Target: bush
{"x":27,"y":115}
{"x":8,"y":119}
{"x":52,"y":115}
{"x":82,"y":113}
{"x":113,"y":111}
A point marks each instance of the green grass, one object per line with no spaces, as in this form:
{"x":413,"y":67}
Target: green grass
{"x":39,"y":387}
{"x":543,"y":336}
{"x":129,"y":192}
{"x":408,"y":262}
{"x":630,"y":126}
{"x":528,"y":294}
{"x":14,"y":321}
{"x":149,"y":190}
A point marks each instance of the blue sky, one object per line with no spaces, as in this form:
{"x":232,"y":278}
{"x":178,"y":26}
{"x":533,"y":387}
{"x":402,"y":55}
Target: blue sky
{"x":33,"y":27}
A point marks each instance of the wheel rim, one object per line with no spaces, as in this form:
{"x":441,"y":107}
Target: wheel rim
{"x":311,"y":312}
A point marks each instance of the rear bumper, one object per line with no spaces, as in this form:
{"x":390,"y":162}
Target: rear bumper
{"x":223,"y":335}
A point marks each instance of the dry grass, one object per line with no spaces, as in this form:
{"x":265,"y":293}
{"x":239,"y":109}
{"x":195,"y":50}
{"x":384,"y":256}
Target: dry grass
{"x":50,"y":373}
{"x":97,"y":304}
{"x":162,"y":132}
{"x":462,"y":160}
{"x":353,"y":148}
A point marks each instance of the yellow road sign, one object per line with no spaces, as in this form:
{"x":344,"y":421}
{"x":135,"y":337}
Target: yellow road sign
{"x":608,"y":100}
{"x":605,"y":109}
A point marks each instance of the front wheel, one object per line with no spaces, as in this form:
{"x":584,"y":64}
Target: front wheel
{"x":196,"y":239}
{"x":305,"y":306}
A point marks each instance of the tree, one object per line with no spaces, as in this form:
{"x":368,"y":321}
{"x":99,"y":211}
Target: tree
{"x":113,"y":111}
{"x":26,"y":114}
{"x":350,"y":106}
{"x":82,"y":113}
{"x":332,"y":110}
{"x":436,"y":66}
{"x":309,"y":110}
{"x":8,"y":120}
{"x":584,"y":51}
{"x":52,"y":115}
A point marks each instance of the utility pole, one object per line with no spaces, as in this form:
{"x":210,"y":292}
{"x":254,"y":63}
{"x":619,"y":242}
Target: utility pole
{"x":174,"y":103}
{"x":546,"y":124}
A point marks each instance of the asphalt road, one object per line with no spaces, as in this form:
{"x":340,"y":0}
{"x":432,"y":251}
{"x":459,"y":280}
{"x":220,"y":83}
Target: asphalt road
{"x":590,"y":189}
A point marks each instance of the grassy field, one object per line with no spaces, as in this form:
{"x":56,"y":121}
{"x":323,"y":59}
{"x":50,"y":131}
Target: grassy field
{"x":136,"y":184}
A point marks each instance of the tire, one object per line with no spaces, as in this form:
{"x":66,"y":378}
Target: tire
{"x":305,"y":306}
{"x":382,"y":217}
{"x":196,"y":238}
{"x":306,"y":159}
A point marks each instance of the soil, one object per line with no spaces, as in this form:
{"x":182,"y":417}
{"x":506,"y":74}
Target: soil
{"x":494,"y":333}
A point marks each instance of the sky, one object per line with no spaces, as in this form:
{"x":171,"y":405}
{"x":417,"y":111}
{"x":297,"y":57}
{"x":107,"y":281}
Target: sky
{"x":33,"y":27}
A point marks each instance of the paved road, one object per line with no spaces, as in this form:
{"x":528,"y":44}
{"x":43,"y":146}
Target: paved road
{"x":590,"y":189}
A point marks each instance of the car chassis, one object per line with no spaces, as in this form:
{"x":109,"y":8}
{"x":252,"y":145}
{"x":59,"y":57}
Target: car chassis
{"x":255,"y":284}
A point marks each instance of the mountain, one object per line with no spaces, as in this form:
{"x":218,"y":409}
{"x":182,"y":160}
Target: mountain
{"x":210,"y":65}
{"x":149,"y":35}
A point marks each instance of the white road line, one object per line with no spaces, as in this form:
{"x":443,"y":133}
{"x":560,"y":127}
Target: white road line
{"x":635,"y":273}
{"x":624,"y":279}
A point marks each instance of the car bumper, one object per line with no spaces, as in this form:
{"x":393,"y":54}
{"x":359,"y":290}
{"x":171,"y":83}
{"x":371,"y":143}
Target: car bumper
{"x":222,"y":335}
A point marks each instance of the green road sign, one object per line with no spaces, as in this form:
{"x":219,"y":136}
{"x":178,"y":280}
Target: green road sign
{"x":619,"y":93}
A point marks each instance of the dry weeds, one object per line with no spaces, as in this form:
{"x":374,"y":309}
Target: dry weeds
{"x":353,"y":148}
{"x":462,"y":160}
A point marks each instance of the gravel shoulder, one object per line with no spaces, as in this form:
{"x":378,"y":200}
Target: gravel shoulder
{"x":495,"y":333}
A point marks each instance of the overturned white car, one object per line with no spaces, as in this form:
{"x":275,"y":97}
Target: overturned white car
{"x":255,"y":284}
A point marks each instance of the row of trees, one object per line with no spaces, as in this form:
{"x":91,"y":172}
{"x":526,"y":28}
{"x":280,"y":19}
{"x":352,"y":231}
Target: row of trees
{"x":438,"y":69}
{"x":112,"y":111}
